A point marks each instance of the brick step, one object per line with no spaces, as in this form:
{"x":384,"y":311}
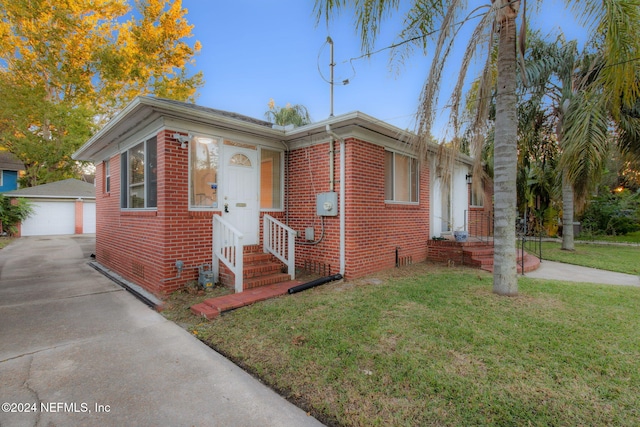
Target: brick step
{"x":213,"y":307}
{"x":257,"y":257}
{"x":478,"y":251}
{"x":480,"y":262}
{"x":252,"y":270}
{"x":255,"y":282}
{"x":531,"y":263}
{"x":482,"y":257}
{"x":253,"y":249}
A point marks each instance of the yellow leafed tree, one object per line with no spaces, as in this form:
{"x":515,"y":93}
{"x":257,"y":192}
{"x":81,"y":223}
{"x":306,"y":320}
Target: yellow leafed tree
{"x":67,"y":66}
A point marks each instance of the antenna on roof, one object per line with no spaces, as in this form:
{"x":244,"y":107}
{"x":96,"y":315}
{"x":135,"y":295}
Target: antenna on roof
{"x":331,"y":66}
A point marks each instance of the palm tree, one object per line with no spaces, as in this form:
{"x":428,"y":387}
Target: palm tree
{"x":499,"y":20}
{"x":296,"y":115}
{"x":583,"y":117}
{"x":553,"y":73}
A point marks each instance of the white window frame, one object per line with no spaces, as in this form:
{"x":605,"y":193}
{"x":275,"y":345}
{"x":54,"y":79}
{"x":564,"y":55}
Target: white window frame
{"x":414,"y":161}
{"x":215,"y":206}
{"x":146,"y":184}
{"x":107,"y":176}
{"x":282,"y":173}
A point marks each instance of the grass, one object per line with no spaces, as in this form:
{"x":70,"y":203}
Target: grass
{"x":430,"y":345}
{"x":4,"y":241}
{"x":622,"y":259}
{"x":625,"y":238}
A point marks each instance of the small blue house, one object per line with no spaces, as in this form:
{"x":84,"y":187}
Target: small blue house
{"x":10,"y":168}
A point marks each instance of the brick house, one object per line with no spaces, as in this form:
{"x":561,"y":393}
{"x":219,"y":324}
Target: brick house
{"x":180,"y":185}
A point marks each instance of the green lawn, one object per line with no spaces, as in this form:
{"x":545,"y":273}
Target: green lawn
{"x":4,"y":241}
{"x":623,"y":259}
{"x":430,"y":345}
{"x":626,"y":238}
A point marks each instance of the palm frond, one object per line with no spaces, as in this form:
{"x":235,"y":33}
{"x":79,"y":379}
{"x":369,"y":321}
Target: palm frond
{"x":429,"y":97}
{"x":482,"y":33}
{"x":419,"y":25}
{"x":628,"y":129}
{"x":585,"y":143}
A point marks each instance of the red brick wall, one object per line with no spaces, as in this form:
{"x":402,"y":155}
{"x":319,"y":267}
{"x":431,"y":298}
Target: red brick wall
{"x":79,"y":214}
{"x":143,"y":246}
{"x":481,"y":218}
{"x":373,"y":228}
{"x":308,"y":172}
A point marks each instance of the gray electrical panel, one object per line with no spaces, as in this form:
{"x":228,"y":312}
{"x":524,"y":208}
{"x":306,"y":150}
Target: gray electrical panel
{"x":327,"y":204}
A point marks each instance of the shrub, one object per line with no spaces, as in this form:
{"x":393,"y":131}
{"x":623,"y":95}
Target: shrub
{"x":12,"y":214}
{"x":613,"y":213}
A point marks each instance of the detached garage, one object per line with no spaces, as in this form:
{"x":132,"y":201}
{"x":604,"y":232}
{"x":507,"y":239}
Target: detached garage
{"x":63,"y":207}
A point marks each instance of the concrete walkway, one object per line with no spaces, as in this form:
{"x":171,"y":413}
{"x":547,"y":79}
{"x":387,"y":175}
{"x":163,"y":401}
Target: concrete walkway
{"x":76,"y":349}
{"x":573,"y":273}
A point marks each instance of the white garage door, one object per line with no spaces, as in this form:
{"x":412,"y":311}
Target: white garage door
{"x":88,"y":217}
{"x":50,"y":218}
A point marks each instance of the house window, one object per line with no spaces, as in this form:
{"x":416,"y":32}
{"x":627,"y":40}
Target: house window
{"x":271,"y":179}
{"x":477,"y":196}
{"x":139,"y":181}
{"x":203,"y":182}
{"x":401,"y":178}
{"x":107,"y":176}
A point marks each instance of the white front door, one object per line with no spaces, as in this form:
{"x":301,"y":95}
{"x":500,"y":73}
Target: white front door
{"x":240,"y":191}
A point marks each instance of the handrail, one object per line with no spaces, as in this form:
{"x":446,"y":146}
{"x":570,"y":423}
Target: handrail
{"x":228,"y":248}
{"x":279,"y":240}
{"x":480,"y":224}
{"x":527,"y":239}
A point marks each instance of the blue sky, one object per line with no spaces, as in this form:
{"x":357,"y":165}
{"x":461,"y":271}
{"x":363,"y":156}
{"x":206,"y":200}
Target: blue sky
{"x":255,"y":50}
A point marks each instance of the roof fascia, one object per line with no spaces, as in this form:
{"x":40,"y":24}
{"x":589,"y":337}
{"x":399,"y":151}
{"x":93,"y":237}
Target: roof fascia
{"x":362,"y":126}
{"x":146,"y":109}
{"x":43,"y":196}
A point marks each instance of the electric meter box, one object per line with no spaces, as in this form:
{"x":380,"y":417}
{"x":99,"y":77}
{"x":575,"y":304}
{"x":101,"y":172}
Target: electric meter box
{"x":327,"y":204}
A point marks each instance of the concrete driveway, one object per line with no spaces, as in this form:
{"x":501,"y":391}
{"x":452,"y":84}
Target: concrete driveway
{"x":76,"y":349}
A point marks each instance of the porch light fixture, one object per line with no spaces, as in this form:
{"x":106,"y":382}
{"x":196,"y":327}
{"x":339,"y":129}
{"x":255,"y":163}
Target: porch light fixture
{"x":468,"y":177}
{"x":182,"y":139}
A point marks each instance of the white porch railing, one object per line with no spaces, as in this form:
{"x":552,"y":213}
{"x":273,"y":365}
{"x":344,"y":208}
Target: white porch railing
{"x":280,"y":240}
{"x":228,"y":248}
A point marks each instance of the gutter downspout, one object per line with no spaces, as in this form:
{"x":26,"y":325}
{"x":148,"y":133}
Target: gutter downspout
{"x":342,"y":201}
{"x":332,"y":159}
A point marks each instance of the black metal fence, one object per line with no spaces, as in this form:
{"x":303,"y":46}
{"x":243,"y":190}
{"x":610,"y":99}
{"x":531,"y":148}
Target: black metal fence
{"x":527,"y":240}
{"x":480,"y":225}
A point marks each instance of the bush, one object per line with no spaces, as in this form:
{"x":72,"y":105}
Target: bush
{"x":613,"y":214}
{"x":12,"y":214}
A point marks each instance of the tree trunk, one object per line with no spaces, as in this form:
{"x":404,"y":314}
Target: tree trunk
{"x":505,"y":280}
{"x":567,"y":215}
